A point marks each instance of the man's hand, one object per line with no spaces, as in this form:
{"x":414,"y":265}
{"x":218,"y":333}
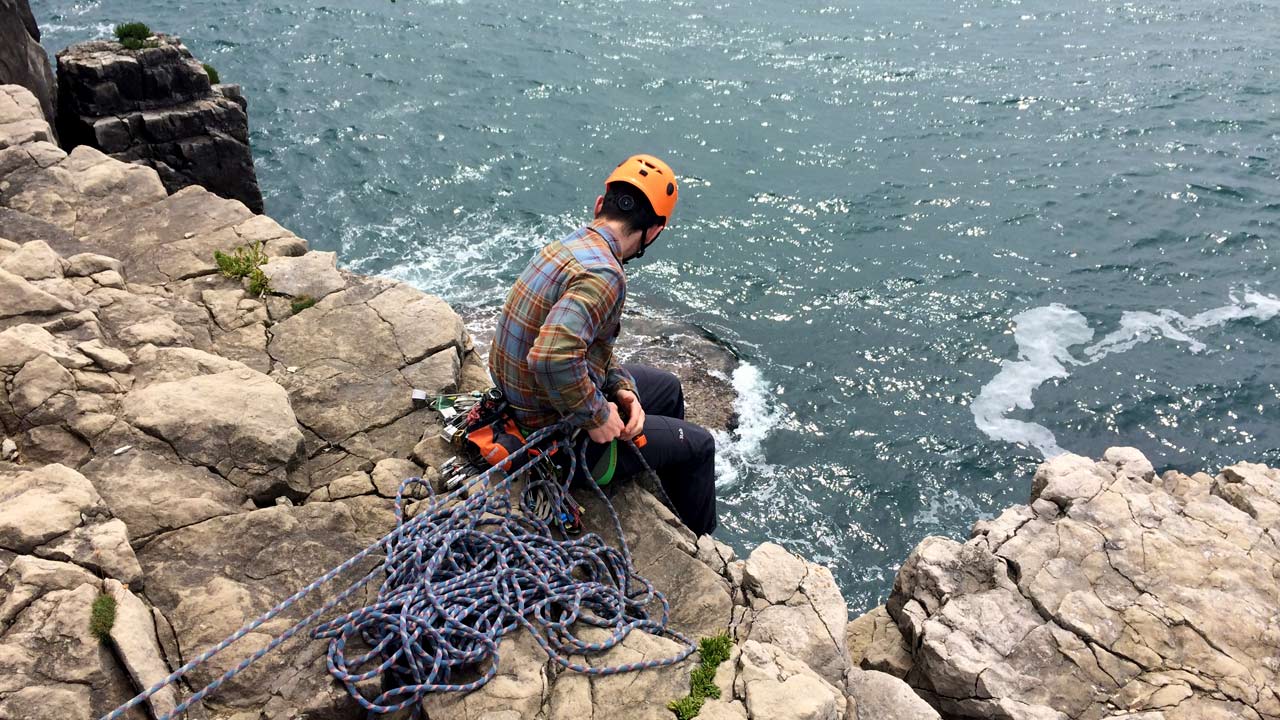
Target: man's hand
{"x":611,"y":428}
{"x":634,"y":413}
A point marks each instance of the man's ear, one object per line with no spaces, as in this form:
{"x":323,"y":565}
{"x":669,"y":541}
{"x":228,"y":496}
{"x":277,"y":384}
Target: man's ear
{"x":599,"y":204}
{"x":656,"y":230}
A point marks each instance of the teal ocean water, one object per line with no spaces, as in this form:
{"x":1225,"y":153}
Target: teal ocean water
{"x":946,"y":237}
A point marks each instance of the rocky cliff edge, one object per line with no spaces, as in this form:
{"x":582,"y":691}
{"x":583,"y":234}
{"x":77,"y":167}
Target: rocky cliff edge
{"x":196,"y":452}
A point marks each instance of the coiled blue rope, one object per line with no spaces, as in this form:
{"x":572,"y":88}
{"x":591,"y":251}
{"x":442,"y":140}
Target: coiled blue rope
{"x":464,"y":571}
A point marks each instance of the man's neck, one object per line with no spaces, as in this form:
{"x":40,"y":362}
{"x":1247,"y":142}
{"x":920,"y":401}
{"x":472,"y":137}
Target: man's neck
{"x":628,"y":241}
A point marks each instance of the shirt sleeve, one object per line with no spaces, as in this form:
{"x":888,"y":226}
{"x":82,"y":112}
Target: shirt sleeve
{"x":558,"y":358}
{"x":618,"y":378}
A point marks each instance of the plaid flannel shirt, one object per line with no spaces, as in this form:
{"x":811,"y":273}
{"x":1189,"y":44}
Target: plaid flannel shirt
{"x":552,"y":353}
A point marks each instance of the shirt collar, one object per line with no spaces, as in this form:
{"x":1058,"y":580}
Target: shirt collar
{"x":599,"y":227}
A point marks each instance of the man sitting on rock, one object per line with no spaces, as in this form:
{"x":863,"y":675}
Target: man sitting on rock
{"x":552,"y":353}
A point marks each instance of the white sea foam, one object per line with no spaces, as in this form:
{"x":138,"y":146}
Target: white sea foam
{"x":758,"y":415}
{"x":1045,"y":336}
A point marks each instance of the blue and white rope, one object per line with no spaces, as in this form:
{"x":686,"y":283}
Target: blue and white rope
{"x":467,"y":569}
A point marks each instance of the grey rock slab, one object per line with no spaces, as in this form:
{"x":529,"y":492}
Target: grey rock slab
{"x":34,"y":260}
{"x":232,"y":308}
{"x":422,"y":324}
{"x":275,"y":239}
{"x":166,"y":364}
{"x":238,"y":420}
{"x":23,"y":343}
{"x":339,"y":329}
{"x":18,"y":297}
{"x":172,"y":238}
{"x":337,"y":400}
{"x":639,"y":696}
{"x":87,"y":264}
{"x":32,"y":98}
{"x":313,"y":275}
{"x":522,"y":683}
{"x":436,"y":374}
{"x":209,"y":578}
{"x":1067,"y":479}
{"x":389,"y":473}
{"x":247,"y":344}
{"x":110,"y":279}
{"x":107,"y":358}
{"x":38,"y":506}
{"x":134,"y":636}
{"x":161,"y":331}
{"x":777,"y":686}
{"x":29,"y":577}
{"x":54,"y":444}
{"x":1252,"y":488}
{"x":878,"y":696}
{"x":51,"y":666}
{"x":83,"y":191}
{"x":100,"y":547}
{"x":798,"y":608}
{"x":714,"y":709}
{"x":700,"y":601}
{"x":773,"y":574}
{"x":875,"y":643}
{"x":351,"y":485}
{"x":20,"y":227}
{"x":36,"y":385}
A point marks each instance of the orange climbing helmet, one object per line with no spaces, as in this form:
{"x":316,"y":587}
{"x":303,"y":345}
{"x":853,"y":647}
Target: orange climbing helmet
{"x":652,"y":177}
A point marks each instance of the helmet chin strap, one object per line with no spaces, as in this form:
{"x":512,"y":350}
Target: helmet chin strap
{"x":643,"y":245}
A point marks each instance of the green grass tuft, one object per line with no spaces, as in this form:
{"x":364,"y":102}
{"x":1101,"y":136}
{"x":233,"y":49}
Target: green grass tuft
{"x":702,"y":681}
{"x":245,"y":261}
{"x":715,"y":649}
{"x":102,"y":616}
{"x":133,"y":30}
{"x":687,"y":707}
{"x":302,"y":302}
{"x":213,"y":74}
{"x":135,"y":36}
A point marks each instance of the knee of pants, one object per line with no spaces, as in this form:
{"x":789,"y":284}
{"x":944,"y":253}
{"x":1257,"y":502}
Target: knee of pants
{"x":701,"y":441}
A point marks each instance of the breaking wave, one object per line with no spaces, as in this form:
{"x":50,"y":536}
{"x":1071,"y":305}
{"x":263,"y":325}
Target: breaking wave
{"x":758,"y":416}
{"x":1045,"y":336}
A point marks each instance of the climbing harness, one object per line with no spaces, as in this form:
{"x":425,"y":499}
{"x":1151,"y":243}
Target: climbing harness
{"x":461,"y":570}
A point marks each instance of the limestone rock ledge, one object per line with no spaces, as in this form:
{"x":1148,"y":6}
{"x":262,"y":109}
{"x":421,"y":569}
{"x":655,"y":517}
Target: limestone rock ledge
{"x":1115,"y":593}
{"x":197,"y":453}
{"x":22,"y":60}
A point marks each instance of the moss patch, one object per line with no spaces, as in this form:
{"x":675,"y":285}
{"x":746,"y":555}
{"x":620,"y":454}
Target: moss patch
{"x":102,"y":616}
{"x":245,"y":261}
{"x":702,"y":682}
{"x":302,"y":302}
{"x":213,"y":74}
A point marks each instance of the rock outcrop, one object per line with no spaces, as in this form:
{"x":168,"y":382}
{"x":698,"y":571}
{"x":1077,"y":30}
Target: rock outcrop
{"x":22,"y":60}
{"x":155,"y":106}
{"x":1116,"y":592}
{"x":191,"y":454}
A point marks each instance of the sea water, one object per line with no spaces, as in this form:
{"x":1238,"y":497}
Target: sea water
{"x":947,"y":238}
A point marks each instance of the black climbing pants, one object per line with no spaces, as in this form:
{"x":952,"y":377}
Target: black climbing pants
{"x":683,"y":454}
